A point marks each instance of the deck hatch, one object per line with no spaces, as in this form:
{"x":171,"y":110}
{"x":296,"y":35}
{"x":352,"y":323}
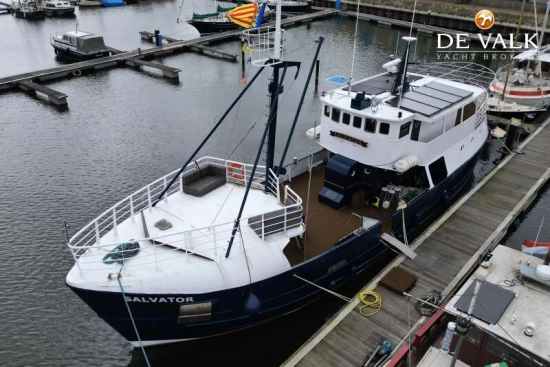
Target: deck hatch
{"x":163,"y":224}
{"x":490,"y":303}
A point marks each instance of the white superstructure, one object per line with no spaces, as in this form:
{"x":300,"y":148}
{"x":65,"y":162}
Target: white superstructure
{"x":435,"y":118}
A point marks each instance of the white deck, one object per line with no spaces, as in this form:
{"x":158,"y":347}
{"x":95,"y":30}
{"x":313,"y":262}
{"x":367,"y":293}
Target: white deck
{"x":531,"y":303}
{"x":436,"y":358}
{"x":194,"y":248}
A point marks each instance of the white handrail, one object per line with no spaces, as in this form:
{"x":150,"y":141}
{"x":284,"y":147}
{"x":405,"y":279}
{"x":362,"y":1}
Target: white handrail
{"x":90,"y":235}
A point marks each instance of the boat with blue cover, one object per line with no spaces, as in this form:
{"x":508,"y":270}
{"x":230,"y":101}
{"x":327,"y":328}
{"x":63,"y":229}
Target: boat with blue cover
{"x":111,"y":3}
{"x":225,"y":245}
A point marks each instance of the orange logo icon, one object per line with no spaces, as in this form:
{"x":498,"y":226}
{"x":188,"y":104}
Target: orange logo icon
{"x":484,"y":19}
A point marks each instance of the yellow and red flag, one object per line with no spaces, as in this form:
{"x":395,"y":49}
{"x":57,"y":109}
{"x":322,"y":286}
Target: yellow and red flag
{"x":243,"y":15}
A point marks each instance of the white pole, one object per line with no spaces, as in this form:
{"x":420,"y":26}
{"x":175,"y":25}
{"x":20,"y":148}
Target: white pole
{"x":278,"y":38}
{"x":544,"y":23}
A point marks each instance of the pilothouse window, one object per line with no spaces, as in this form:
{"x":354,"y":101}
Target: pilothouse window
{"x":384,"y":128}
{"x":357,"y":122}
{"x":469,"y":111}
{"x":370,"y":125}
{"x":345,"y":118}
{"x":404,"y":129}
{"x":327,"y":111}
{"x":336,"y":115}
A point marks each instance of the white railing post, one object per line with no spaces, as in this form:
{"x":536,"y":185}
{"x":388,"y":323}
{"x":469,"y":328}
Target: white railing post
{"x":278,"y":189}
{"x":181,"y":182}
{"x":215,"y":242}
{"x":149,"y":197}
{"x":132,"y":209}
{"x":97,"y":236}
{"x":263,"y":227}
{"x":165,"y":184}
{"x":156,"y":259}
{"x":114,"y":222}
{"x":284,"y":218}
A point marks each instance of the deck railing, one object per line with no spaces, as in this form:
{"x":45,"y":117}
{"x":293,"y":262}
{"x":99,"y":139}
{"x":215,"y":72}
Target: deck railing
{"x":130,"y":207}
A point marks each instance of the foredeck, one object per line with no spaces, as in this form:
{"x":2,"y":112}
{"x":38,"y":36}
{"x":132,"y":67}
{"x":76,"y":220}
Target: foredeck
{"x":446,"y":253}
{"x":325,"y":225}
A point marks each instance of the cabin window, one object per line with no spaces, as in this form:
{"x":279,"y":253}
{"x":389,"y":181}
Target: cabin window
{"x":327,"y":111}
{"x":384,"y":128}
{"x":335,"y":115}
{"x":458,"y":119}
{"x":345,"y":118}
{"x":357,"y":122}
{"x":415,"y":130}
{"x":404,"y":129}
{"x":438,"y":170}
{"x":195,"y":312}
{"x":469,"y":111}
{"x":370,"y":125}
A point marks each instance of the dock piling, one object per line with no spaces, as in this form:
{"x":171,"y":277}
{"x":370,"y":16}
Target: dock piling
{"x":54,"y":97}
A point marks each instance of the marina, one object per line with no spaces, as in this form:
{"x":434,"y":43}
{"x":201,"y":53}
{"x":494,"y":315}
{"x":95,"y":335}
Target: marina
{"x":85,"y":159}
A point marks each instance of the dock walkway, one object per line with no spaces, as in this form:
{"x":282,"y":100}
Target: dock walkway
{"x":446,"y":253}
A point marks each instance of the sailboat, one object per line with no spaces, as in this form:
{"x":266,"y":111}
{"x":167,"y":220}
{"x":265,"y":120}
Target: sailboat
{"x":220,"y":245}
{"x":221,"y":19}
{"x":522,"y":86}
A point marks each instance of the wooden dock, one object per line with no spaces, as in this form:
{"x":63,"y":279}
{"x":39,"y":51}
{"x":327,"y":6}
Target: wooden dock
{"x":139,"y":57}
{"x":200,"y":48}
{"x":446,"y":254}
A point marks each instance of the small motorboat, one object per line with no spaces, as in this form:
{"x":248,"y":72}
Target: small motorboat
{"x":79,"y":45}
{"x":58,"y":8}
{"x":27,"y":9}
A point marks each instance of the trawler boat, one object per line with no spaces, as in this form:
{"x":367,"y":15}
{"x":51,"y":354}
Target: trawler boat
{"x":27,"y":9}
{"x":528,"y":83}
{"x":58,"y":8}
{"x":221,"y":245}
{"x":79,"y":45}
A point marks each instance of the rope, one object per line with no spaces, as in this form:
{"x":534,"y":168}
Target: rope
{"x":376,"y":303}
{"x":132,"y":317}
{"x":326,"y":290}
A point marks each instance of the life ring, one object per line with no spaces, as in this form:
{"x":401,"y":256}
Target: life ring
{"x":236,"y":170}
{"x":77,"y":72}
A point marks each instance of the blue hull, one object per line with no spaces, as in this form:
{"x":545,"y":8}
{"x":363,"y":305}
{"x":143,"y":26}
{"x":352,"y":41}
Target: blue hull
{"x":157,"y":320}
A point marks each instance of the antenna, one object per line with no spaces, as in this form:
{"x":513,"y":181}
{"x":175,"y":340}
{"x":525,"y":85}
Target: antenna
{"x":354,"y":44}
{"x":536,"y":239}
{"x":406,"y":61}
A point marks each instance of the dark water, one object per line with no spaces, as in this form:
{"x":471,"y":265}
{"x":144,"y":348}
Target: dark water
{"x":124,"y":129}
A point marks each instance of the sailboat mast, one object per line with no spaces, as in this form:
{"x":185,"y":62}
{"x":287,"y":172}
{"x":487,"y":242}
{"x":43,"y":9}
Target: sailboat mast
{"x":512,"y":54}
{"x":541,"y":39}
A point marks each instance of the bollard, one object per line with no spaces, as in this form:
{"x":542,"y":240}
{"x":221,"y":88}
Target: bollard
{"x":512,"y":134}
{"x":158,"y":38}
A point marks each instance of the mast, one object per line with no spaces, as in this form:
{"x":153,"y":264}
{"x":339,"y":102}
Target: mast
{"x":543,"y":30}
{"x":512,"y":53}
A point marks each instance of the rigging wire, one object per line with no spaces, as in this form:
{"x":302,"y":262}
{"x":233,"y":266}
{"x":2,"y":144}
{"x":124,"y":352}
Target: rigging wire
{"x":130,"y":313}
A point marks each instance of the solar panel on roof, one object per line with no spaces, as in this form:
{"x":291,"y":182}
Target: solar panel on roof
{"x":438,"y":94}
{"x":490,"y":303}
{"x":431,"y":101}
{"x":450,"y":90}
{"x":422,"y":108}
